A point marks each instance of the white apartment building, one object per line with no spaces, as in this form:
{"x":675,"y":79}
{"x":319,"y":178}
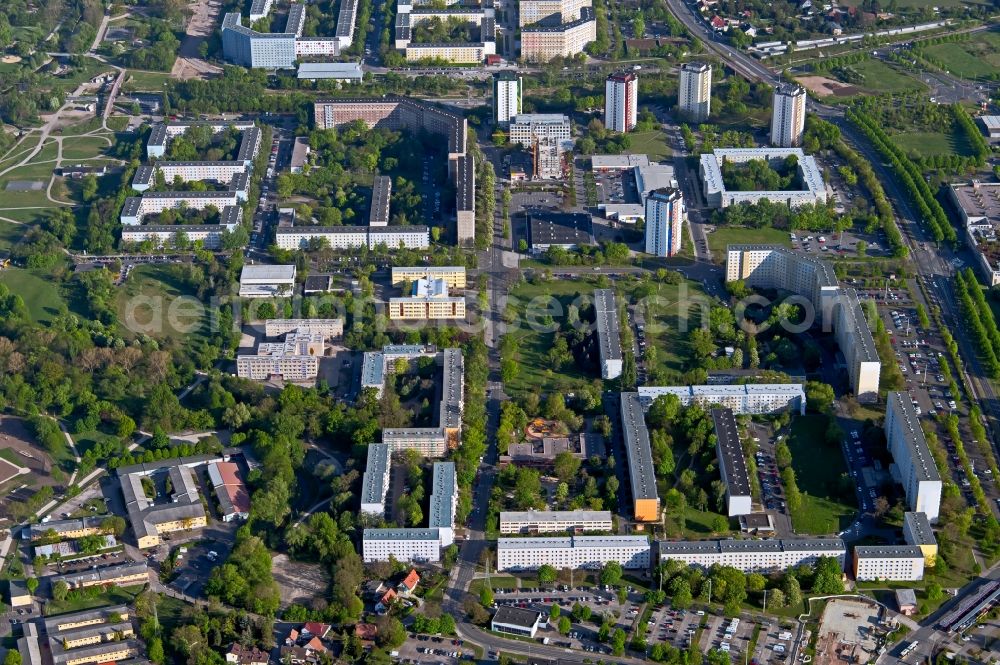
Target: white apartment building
{"x":161,"y":133}
{"x":222,"y":172}
{"x":375,"y":482}
{"x":749,"y":398}
{"x":412,"y":545}
{"x":732,"y":463}
{"x":353,"y":237}
{"x":639,"y":454}
{"x":528,"y":128}
{"x":621,"y":102}
{"x":209,"y":235}
{"x":788,"y":118}
{"x":329,"y":328}
{"x":913,"y":460}
{"x":576,"y":552}
{"x":507,"y":90}
{"x":695,"y":94}
{"x":664,"y":222}
{"x":836,"y":308}
{"x":608,"y":333}
{"x":554,"y":521}
{"x":754,"y":555}
{"x":717,"y":196}
{"x":428,"y":441}
{"x":549,"y":12}
{"x":543,"y":43}
{"x":888,"y":563}
{"x":266,"y":281}
{"x":150,"y":203}
{"x":444,"y":500}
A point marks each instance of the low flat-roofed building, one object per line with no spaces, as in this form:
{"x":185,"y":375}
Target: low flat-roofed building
{"x":558,"y":229}
{"x":888,"y":563}
{"x":978,"y":206}
{"x":378,"y":215}
{"x":266,"y":281}
{"x":639,"y":455}
{"x":732,"y":463}
{"x":542,"y":452}
{"x":28,"y":646}
{"x":555,"y":521}
{"x":345,"y":72}
{"x":18,"y":593}
{"x":74,"y":620}
{"x":651,"y":177}
{"x":515,"y":621}
{"x":617,"y":163}
{"x":300,"y":154}
{"x":906,"y":601}
{"x":754,"y":555}
{"x":917,"y":531}
{"x":608,"y":333}
{"x":991,"y":125}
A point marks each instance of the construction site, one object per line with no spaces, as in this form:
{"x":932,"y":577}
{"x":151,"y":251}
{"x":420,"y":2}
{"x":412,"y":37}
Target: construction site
{"x":848,"y":632}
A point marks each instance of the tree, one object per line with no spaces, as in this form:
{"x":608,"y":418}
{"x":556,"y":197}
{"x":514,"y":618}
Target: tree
{"x":564,"y":625}
{"x":553,"y":612}
{"x":486,"y":596}
{"x":611,"y":574}
{"x":756,"y":582}
{"x":792,"y":590}
{"x":60,"y":590}
{"x":546,"y":574}
{"x":114,"y":525}
{"x":32,"y":584}
{"x":155,"y":651}
{"x":881,"y":506}
{"x":828,"y":578}
{"x":13,"y":657}
{"x":566,"y":466}
{"x":776,"y":598}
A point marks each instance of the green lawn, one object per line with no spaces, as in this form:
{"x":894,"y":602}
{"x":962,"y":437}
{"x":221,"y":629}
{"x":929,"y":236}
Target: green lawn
{"x":670,"y":311}
{"x":975,"y":58}
{"x":652,"y":143}
{"x":698,"y":523}
{"x":150,"y":81}
{"x":84,"y":147}
{"x":496,"y":582}
{"x":933,"y":143}
{"x":40,"y":295}
{"x":88,"y":440}
{"x":723,"y":235}
{"x":880,"y":78}
{"x":9,"y":233}
{"x":818,"y":468}
{"x":145,"y":300}
{"x":115,"y":596}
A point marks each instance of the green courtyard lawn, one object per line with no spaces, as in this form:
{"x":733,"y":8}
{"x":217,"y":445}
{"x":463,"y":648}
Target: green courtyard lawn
{"x":652,"y":143}
{"x":41,"y":296}
{"x":114,"y":596}
{"x":159,"y":285}
{"x":496,"y":582}
{"x":735,"y":235}
{"x":818,"y":469}
{"x":927,"y":144}
{"x":670,"y":312}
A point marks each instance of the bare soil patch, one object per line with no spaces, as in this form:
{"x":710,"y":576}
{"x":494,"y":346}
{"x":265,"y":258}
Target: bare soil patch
{"x":825,"y":87}
{"x":299,"y":582}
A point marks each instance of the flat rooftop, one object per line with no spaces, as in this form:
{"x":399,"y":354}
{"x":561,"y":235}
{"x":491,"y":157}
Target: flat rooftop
{"x":608,"y":332}
{"x":730,"y":452}
{"x":637,"y":448}
{"x":914,"y":439}
{"x":559,"y":228}
{"x":566,"y":516}
{"x":694,"y":547}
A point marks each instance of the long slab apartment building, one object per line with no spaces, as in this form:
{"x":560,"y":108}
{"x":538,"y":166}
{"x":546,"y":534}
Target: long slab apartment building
{"x":835,"y":307}
{"x":419,"y":544}
{"x":753,"y":555}
{"x":913,"y":461}
{"x":576,"y":552}
{"x":608,"y":333}
{"x":428,"y":441}
{"x":400,"y":113}
{"x":555,"y":521}
{"x":732,"y":463}
{"x":541,"y":43}
{"x":748,"y":398}
{"x":409,"y":16}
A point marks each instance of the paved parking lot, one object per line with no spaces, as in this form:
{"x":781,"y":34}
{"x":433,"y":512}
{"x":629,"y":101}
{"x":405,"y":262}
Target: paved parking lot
{"x":427,"y":649}
{"x":195,"y":565}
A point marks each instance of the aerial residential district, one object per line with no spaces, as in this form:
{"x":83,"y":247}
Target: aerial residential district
{"x":531,"y":332}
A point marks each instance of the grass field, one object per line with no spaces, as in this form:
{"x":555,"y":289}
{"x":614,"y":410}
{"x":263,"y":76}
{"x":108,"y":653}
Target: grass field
{"x":40,"y":295}
{"x":9,"y":233}
{"x":150,"y":81}
{"x":725,"y":235}
{"x":818,"y":468}
{"x":933,"y":143}
{"x":653,"y":143}
{"x":144,"y":302}
{"x":84,"y":147}
{"x":880,"y":78}
{"x":115,"y":596}
{"x":670,"y":311}
{"x":975,"y":58}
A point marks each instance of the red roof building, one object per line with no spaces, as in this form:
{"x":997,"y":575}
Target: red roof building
{"x":366,"y":631}
{"x":315,"y":645}
{"x":718,"y":23}
{"x":230,"y":490}
{"x":316,"y":628}
{"x":409,"y":583}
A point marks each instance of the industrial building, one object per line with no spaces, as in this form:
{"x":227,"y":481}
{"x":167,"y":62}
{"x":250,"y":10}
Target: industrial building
{"x":743,"y":398}
{"x":717,"y":196}
{"x":639,"y":454}
{"x":574,"y":552}
{"x":608,"y":333}
{"x":554,"y":521}
{"x":567,"y":230}
{"x":914,"y":465}
{"x":732,"y":463}
{"x":754,"y":555}
{"x":888,"y":563}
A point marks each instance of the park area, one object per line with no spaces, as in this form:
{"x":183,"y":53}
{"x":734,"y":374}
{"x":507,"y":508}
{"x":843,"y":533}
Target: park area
{"x":819,"y":471}
{"x":869,"y":77}
{"x":974,"y":58}
{"x":949,"y":141}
